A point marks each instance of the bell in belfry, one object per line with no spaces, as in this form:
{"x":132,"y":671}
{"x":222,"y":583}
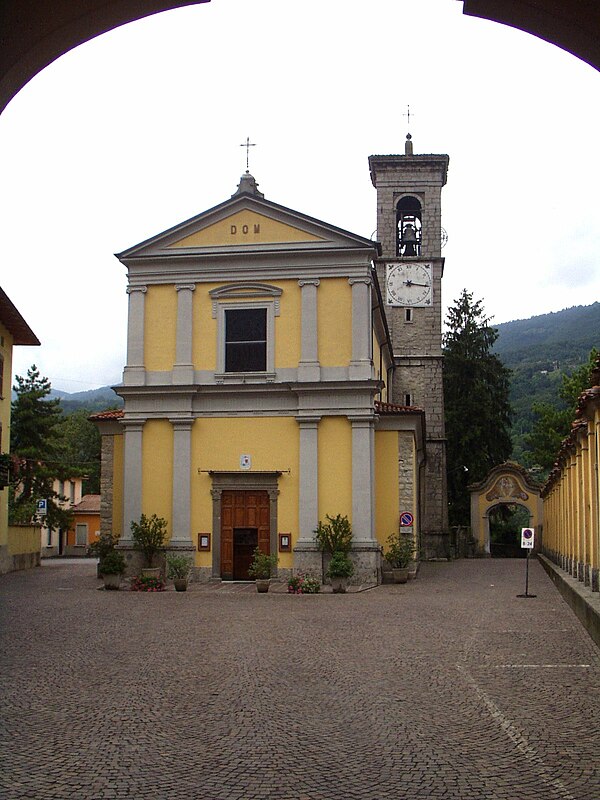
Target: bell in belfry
{"x":409,"y":241}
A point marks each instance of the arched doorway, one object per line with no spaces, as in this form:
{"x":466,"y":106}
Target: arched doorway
{"x":505,"y":489}
{"x":506,"y":521}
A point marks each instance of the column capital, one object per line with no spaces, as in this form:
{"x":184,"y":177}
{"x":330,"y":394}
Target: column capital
{"x":309,"y":282}
{"x":366,"y":280}
{"x":189,"y":286}
{"x":308,"y":422}
{"x":182,"y":424}
{"x":131,"y":289}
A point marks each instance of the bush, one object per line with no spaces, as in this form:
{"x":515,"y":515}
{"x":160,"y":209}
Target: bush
{"x":149,"y":536}
{"x":340,"y":566}
{"x":147,"y":584}
{"x":103,"y":545}
{"x":400,"y":551}
{"x":303,"y":584}
{"x":262,"y":564}
{"x":113,"y":563}
{"x":178,"y":566}
{"x":335,"y":536}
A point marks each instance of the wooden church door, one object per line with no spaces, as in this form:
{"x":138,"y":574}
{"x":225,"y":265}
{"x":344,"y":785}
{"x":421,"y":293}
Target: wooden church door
{"x":245,"y":525}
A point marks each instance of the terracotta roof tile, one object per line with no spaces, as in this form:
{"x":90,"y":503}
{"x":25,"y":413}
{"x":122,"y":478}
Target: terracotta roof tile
{"x":89,"y":504}
{"x":112,"y":413}
{"x":392,"y":408}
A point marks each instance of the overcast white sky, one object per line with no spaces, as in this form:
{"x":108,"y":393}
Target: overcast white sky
{"x":140,"y":129}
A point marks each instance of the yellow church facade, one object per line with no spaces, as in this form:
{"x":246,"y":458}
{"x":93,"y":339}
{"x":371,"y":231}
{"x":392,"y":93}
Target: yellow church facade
{"x":257,"y":395}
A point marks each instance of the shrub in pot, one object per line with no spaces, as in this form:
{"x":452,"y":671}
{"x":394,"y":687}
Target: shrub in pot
{"x":178,"y":570}
{"x":340,"y":569}
{"x":261,"y":567}
{"x":112,"y":568}
{"x":399,"y":553}
{"x":149,"y":536}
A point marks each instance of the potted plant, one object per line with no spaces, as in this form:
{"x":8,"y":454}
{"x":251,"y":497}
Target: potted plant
{"x":149,"y":536}
{"x":260,"y":569}
{"x":340,"y":569}
{"x":399,"y":553}
{"x":178,"y":570}
{"x":104,"y":544}
{"x":112,"y":568}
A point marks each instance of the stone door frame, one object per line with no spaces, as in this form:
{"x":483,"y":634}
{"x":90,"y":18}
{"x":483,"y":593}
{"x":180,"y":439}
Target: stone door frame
{"x":236,"y":482}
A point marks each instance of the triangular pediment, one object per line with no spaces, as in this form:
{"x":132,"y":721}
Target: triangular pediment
{"x":247,"y":226}
{"x":246,"y":223}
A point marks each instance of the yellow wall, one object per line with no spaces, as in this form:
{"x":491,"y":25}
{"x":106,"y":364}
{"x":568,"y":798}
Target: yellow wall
{"x":157,"y":469}
{"x":23,"y":539}
{"x":272,"y":443}
{"x":387,"y":502}
{"x":288,"y":325}
{"x":160,"y":327}
{"x":334,"y":308}
{"x":335,"y":467}
{"x":117,"y":508}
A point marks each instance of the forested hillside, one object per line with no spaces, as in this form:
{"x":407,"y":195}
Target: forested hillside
{"x":539,"y":351}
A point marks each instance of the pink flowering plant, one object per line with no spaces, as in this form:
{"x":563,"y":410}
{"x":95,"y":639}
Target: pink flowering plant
{"x":303,"y":584}
{"x":147,"y":584}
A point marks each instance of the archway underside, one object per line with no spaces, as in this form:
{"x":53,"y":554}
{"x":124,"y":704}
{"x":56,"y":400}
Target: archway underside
{"x":31,"y":38}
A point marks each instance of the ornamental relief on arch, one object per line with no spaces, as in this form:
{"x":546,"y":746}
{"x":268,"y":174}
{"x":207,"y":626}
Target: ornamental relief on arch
{"x":506,"y":488}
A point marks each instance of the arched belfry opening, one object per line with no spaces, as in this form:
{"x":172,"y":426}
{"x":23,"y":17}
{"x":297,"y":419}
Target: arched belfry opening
{"x":408,"y":224}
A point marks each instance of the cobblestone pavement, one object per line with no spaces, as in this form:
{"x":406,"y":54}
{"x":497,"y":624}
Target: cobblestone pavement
{"x":448,"y":687}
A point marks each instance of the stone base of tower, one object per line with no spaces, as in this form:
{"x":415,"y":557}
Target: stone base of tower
{"x":435,"y":533}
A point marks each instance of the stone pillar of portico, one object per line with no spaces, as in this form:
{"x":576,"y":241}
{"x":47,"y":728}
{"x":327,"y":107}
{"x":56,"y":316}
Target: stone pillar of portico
{"x":183,"y":369}
{"x":134,"y":373}
{"x":132,"y":477}
{"x":361,"y":364}
{"x":309,"y":368}
{"x":181,"y":534}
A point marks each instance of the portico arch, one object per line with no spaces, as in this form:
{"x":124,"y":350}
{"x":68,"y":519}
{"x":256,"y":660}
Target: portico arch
{"x":506,"y":484}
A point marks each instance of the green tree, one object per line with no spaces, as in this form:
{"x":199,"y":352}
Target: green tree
{"x":553,"y":423}
{"x":476,"y":399}
{"x":35,"y":445}
{"x":80,"y":449}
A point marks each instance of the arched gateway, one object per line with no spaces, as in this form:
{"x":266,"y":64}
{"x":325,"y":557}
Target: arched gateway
{"x":506,"y":484}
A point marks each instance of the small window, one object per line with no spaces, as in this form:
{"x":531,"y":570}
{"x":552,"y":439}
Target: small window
{"x":81,"y":534}
{"x":408,"y":315}
{"x":408,"y":400}
{"x":246,"y":340}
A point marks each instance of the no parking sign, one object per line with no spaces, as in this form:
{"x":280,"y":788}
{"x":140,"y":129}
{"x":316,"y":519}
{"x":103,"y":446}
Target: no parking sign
{"x":527,"y":538}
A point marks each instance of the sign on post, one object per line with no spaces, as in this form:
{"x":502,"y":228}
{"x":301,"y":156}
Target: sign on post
{"x":41,"y":507}
{"x":527,"y":538}
{"x":406,"y":519}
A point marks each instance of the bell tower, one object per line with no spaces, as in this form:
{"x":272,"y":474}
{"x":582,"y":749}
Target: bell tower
{"x":410,"y":270}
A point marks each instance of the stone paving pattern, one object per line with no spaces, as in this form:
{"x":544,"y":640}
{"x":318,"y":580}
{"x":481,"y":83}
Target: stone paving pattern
{"x":448,"y":687}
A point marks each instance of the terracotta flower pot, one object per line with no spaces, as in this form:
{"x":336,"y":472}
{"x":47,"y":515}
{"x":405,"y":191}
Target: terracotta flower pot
{"x":180,"y":584}
{"x":262,"y":584}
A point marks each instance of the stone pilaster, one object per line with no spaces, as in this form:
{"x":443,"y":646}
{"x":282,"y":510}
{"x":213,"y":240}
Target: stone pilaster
{"x":183,"y":369}
{"x":132,"y":478}
{"x":361,"y":363}
{"x":308,"y":367}
{"x":181,"y":535}
{"x":134,"y":372}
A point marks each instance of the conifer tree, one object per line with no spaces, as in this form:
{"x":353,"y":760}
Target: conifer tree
{"x":476,"y":399}
{"x":35,"y":446}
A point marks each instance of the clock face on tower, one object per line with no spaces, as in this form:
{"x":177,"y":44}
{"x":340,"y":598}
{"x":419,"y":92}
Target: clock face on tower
{"x":409,"y":284}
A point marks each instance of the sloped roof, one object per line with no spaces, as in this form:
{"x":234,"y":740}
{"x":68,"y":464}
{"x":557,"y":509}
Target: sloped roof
{"x":14,"y":322}
{"x":89,"y":504}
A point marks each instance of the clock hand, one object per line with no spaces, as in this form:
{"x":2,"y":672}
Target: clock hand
{"x":412,"y":283}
